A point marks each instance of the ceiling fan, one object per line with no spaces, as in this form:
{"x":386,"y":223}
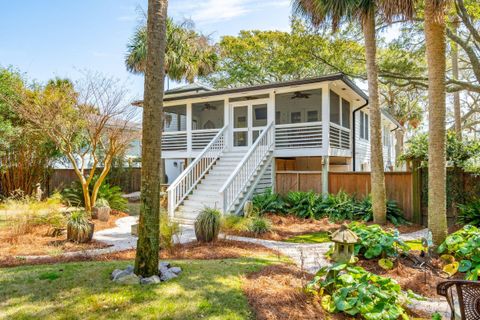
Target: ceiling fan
{"x":209,"y":107}
{"x":300,"y":95}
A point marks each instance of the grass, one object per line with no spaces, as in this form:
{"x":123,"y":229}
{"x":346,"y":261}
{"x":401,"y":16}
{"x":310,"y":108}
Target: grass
{"x":207,"y":289}
{"x":316,"y":237}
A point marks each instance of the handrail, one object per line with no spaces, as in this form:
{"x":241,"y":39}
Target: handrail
{"x":238,"y":180}
{"x":189,"y":178}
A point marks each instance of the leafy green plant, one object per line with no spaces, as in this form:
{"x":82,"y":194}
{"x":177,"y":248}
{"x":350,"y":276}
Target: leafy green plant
{"x":338,"y":207}
{"x":207,"y":225}
{"x":102,"y":203}
{"x":469,"y":213}
{"x":259,"y":225}
{"x":113,"y":194}
{"x":364,"y":211}
{"x":234,"y":223}
{"x":375,"y":242}
{"x":168,"y":231}
{"x":79,"y":228}
{"x":303,"y":204}
{"x":355,"y":291}
{"x":463,"y":248}
{"x":268,"y":202}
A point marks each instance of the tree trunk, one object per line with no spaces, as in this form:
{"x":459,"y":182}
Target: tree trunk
{"x":378,"y":175}
{"x":146,"y":260}
{"x":399,"y":145}
{"x":456,"y":95}
{"x":435,"y":49}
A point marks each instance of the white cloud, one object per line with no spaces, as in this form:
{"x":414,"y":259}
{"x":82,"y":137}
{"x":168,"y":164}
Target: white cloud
{"x":213,"y":11}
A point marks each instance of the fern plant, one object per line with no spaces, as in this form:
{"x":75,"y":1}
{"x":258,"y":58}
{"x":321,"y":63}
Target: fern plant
{"x":207,"y":225}
{"x":469,"y":213}
{"x":268,"y":202}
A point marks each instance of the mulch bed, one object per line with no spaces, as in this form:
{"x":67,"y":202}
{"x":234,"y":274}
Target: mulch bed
{"x":221,"y":249}
{"x":276,"y":293}
{"x":39,"y":243}
{"x":284,"y":227}
{"x":420,"y":281}
{"x":287,"y":226}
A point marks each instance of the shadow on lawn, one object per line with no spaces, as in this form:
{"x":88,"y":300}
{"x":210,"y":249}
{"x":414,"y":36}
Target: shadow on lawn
{"x":83,"y":290}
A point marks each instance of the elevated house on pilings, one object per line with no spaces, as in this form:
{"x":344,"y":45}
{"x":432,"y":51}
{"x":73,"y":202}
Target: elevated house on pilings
{"x":223,"y":146}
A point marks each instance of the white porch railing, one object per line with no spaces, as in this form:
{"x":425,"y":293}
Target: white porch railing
{"x":248,"y":166}
{"x":201,"y":138}
{"x":298,"y":135}
{"x":174,"y":141}
{"x":339,"y":137}
{"x":189,"y":178}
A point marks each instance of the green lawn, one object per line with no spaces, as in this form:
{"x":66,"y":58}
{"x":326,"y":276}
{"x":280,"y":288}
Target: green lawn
{"x":207,"y":289}
{"x":316,"y":237}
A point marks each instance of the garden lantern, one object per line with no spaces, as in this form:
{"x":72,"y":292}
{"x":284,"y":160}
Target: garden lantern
{"x":344,"y":245}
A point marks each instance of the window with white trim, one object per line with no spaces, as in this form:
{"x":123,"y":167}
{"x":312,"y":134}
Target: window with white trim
{"x":363,"y":125}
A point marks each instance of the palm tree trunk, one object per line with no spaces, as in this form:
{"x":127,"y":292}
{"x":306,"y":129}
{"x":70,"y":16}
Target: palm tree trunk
{"x":435,"y":49}
{"x":456,"y":95}
{"x":376,"y":148}
{"x":146,"y":260}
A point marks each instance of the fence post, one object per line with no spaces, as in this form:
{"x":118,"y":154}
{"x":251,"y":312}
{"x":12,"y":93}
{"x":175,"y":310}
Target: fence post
{"x":325,"y":169}
{"x":416,"y":192}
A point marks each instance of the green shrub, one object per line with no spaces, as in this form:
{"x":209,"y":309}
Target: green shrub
{"x":259,"y":225}
{"x":464,"y":246}
{"x":338,"y":207}
{"x":354,"y":291}
{"x":375,"y":242}
{"x":101,"y":203}
{"x":207,"y":225}
{"x":268,"y":202}
{"x":303,"y":204}
{"x":73,"y":196}
{"x":469,"y":213}
{"x":234,"y":223}
{"x":364,"y":211}
{"x":168,"y":231}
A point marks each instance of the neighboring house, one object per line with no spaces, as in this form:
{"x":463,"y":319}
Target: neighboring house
{"x":235,"y":139}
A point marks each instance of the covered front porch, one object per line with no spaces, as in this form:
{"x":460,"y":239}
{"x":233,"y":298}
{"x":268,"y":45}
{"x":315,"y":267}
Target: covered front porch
{"x":309,"y":120}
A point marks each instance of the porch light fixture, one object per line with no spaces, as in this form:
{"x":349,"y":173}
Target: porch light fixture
{"x":344,"y":241}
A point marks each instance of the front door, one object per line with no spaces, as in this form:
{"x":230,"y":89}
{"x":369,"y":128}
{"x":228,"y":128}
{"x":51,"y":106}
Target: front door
{"x":249,"y":119}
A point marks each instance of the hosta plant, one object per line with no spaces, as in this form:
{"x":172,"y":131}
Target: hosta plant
{"x":355,"y":291}
{"x":461,"y":252}
{"x":207,"y":225}
{"x":375,"y":242}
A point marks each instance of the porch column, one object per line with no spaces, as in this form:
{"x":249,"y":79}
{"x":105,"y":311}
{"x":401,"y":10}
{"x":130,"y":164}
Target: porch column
{"x":325,"y":169}
{"x":326,"y":119}
{"x":189,"y":128}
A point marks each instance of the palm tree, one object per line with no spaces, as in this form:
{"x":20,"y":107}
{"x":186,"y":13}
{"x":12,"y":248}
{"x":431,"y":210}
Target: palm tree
{"x":435,"y":49}
{"x":146,"y":260}
{"x":187,"y":56}
{"x":364,"y":11}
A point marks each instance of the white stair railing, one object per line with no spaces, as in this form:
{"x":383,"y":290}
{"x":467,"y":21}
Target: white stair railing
{"x":246,"y":169}
{"x":191,"y":176}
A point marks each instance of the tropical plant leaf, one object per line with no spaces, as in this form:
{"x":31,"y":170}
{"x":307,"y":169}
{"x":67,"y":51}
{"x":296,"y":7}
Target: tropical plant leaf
{"x":451,"y":268}
{"x":385,"y":264}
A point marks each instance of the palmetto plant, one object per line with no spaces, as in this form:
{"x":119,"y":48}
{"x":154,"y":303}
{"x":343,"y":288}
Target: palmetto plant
{"x":335,"y":12}
{"x":187,"y":55}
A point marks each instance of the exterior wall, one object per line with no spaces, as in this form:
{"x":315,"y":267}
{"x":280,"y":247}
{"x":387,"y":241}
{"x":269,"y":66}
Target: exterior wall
{"x":362,"y":146}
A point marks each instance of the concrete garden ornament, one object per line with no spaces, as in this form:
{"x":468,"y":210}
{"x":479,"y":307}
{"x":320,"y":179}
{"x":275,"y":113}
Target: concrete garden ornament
{"x":344,"y":245}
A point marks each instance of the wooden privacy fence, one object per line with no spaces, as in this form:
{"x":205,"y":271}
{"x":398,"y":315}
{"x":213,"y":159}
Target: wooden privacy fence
{"x":399,"y":185}
{"x":128,"y":181}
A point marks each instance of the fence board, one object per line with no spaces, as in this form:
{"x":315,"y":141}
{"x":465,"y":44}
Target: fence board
{"x":63,"y":178}
{"x":398,"y":185}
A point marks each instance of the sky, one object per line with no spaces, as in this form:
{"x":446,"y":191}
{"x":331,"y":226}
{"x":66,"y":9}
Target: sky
{"x":64,"y":38}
